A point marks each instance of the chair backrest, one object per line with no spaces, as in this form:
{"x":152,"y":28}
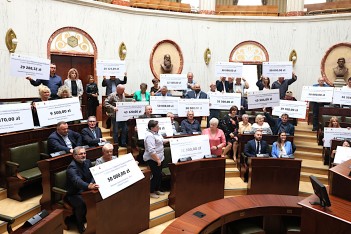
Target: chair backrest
{"x":168,"y":157}
{"x":60,"y":182}
{"x":44,"y":147}
{"x":26,"y":156}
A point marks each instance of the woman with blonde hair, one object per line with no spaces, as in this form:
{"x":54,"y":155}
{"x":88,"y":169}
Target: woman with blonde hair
{"x":64,"y":92}
{"x":74,"y":83}
{"x":261,"y":125}
{"x":44,"y":95}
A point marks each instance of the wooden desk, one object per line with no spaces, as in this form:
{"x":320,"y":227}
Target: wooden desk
{"x":196,"y":182}
{"x":222,"y":212}
{"x":13,"y":139}
{"x":340,"y":181}
{"x":53,"y":224}
{"x":49,"y":167}
{"x":334,"y":111}
{"x":333,"y":219}
{"x":124,"y":212}
{"x":274,"y":176}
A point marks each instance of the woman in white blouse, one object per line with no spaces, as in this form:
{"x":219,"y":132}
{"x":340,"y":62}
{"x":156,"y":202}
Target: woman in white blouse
{"x":261,"y":125}
{"x":74,"y":83}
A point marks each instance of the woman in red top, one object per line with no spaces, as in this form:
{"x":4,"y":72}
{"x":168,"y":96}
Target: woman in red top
{"x":216,"y":136}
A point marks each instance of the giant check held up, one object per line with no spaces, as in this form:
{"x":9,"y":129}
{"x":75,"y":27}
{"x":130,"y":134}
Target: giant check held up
{"x":264,"y":98}
{"x":110,"y":68}
{"x":174,"y":81}
{"x":129,"y":110}
{"x":277,"y":69}
{"x":201,"y":107}
{"x":163,"y":105}
{"x":15,"y":117}
{"x":223,"y":101}
{"x":332,"y":133}
{"x":115,"y":175}
{"x":52,"y":112}
{"x":342,"y":96}
{"x":317,"y":94}
{"x":295,"y":109}
{"x":164,"y":124}
{"x":195,"y":147}
{"x":342,"y":155}
{"x":229,"y":69}
{"x":23,"y":66}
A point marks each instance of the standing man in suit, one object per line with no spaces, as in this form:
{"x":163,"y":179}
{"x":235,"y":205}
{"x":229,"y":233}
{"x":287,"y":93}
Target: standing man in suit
{"x":256,"y":146}
{"x":63,"y":139}
{"x":112,"y":83}
{"x":92,"y":135}
{"x":79,"y":179}
{"x":222,"y":85}
{"x":196,"y":93}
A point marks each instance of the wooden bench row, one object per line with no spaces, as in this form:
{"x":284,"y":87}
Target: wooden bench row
{"x":247,"y":10}
{"x":161,"y":5}
{"x":328,"y":7}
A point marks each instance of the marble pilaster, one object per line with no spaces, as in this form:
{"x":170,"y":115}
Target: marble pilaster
{"x":207,"y":7}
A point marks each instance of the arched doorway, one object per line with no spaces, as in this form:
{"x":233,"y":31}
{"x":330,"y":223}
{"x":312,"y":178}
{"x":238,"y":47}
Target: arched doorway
{"x":71,"y":47}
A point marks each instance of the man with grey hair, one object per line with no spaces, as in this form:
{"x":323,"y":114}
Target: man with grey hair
{"x":79,"y":179}
{"x":190,"y":125}
{"x":92,"y":135}
{"x":164,"y":92}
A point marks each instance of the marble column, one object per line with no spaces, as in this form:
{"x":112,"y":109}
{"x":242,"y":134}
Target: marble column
{"x":280,"y":3}
{"x":294,"y":7}
{"x":207,"y":7}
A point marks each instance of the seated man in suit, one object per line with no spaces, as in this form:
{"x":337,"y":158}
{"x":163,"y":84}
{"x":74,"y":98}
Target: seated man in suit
{"x":79,"y":179}
{"x":63,"y":139}
{"x":256,"y":146}
{"x":196,"y":93}
{"x":190,"y":125}
{"x":281,"y":124}
{"x":92,"y":135}
{"x":175,"y":124}
{"x":164,"y":92}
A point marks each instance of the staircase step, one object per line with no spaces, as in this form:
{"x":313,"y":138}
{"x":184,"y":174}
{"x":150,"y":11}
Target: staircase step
{"x":229,"y":163}
{"x":305,"y":176}
{"x":161,"y":215}
{"x":3,"y":194}
{"x":234,"y":186}
{"x":308,"y":155}
{"x":312,"y":148}
{"x":122,"y":150}
{"x":232,"y":172}
{"x":305,"y":189}
{"x":304,"y":138}
{"x":314,"y":167}
{"x":160,"y":202}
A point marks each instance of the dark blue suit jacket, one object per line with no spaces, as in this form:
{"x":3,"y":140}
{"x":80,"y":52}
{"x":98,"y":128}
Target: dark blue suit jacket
{"x":108,"y":84}
{"x":250,"y":148}
{"x":56,"y":142}
{"x":192,"y":94}
{"x":219,"y":85}
{"x":88,"y":136}
{"x":78,"y":177}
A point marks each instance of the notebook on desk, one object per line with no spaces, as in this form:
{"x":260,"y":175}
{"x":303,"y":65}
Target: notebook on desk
{"x":262,"y":155}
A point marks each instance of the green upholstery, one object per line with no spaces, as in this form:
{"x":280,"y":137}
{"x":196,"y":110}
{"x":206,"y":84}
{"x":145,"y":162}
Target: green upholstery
{"x":166,"y":161}
{"x":326,"y":118}
{"x":222,"y":113}
{"x":26,"y":156}
{"x":60,"y":183}
{"x":348,"y":119}
{"x":45,"y":147}
{"x":31,"y":174}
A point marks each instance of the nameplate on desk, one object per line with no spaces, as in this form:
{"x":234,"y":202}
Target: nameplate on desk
{"x":55,"y":154}
{"x":263,"y":98}
{"x":129,"y":110}
{"x":194,"y":147}
{"x":117,"y":174}
{"x":52,"y":112}
{"x":36,"y":218}
{"x":262,"y":155}
{"x":15,"y":117}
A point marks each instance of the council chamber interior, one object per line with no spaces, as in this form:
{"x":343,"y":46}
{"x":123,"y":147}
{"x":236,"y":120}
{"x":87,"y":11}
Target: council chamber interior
{"x":211,"y":195}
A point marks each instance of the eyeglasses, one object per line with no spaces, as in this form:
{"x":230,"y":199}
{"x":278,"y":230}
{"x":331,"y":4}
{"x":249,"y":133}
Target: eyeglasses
{"x":91,"y":121}
{"x":288,"y":92}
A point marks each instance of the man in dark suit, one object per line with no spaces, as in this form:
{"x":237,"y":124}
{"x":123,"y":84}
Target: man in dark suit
{"x":63,"y":139}
{"x":79,"y":179}
{"x":196,"y":93}
{"x":256,"y":146}
{"x":175,"y":124}
{"x":164,"y":92}
{"x":222,"y":85}
{"x":92,"y":135}
{"x":112,"y":83}
{"x":281,"y":124}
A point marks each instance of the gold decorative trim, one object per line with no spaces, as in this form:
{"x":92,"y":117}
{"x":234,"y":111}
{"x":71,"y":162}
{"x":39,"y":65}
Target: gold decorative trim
{"x":207,"y":56}
{"x":11,"y":40}
{"x":293,"y":57}
{"x":122,"y":51}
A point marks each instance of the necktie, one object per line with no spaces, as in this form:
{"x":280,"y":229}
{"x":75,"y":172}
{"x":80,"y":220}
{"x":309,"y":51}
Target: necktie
{"x":94,"y":133}
{"x":223,"y":83}
{"x":258,"y":148}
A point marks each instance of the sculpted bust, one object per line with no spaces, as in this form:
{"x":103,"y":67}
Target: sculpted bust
{"x":167,"y":64}
{"x":341,"y":72}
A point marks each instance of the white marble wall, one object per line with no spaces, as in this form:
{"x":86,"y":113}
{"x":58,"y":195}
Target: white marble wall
{"x":34,"y":21}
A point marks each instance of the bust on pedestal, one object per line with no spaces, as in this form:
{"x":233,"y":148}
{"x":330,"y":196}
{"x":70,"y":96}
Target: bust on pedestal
{"x":341,"y":72}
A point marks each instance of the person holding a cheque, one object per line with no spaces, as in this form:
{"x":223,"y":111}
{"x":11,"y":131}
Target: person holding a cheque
{"x":216,"y":137}
{"x":153,"y":156}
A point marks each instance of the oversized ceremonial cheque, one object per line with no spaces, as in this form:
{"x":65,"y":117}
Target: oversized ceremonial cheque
{"x":317,"y":94}
{"x":115,"y":175}
{"x":201,"y":107}
{"x":15,"y":117}
{"x":223,"y":101}
{"x":129,"y":110}
{"x":277,"y":69}
{"x":110,"y":68}
{"x":295,"y":109}
{"x":52,"y":112}
{"x":163,"y":105}
{"x":343,"y":154}
{"x":263,"y":98}
{"x":174,"y":81}
{"x":228,"y":69}
{"x":195,"y":147}
{"x":164,"y":124}
{"x":342,"y":96}
{"x":23,"y":66}
{"x":332,"y":133}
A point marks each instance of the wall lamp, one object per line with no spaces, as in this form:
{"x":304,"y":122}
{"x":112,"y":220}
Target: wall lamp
{"x":11,"y":40}
{"x":293,"y":57}
{"x":122,"y":51}
{"x":207,"y":56}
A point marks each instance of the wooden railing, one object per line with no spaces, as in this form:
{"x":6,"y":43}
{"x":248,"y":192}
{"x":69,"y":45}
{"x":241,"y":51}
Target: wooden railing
{"x":328,"y":8}
{"x":247,"y":10}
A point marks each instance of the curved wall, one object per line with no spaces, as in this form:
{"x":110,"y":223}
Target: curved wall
{"x":34,"y":22}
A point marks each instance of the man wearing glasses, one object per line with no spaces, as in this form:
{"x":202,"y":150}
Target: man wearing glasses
{"x":92,"y":135}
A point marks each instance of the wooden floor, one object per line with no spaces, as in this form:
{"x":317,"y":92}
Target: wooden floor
{"x":161,"y":214}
